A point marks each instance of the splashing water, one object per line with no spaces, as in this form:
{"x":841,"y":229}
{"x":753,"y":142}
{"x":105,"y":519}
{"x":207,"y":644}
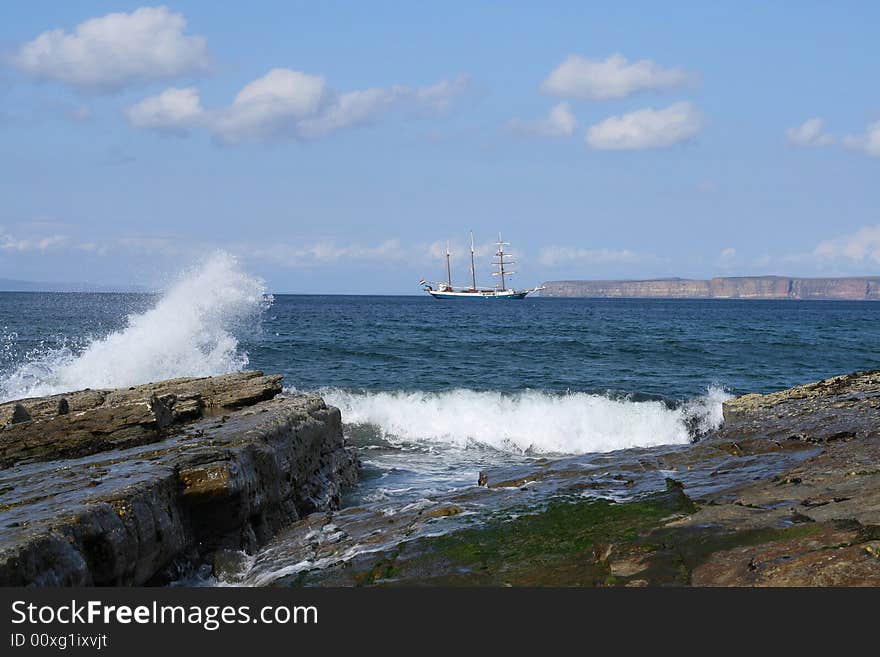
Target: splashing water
{"x":191,"y":331}
{"x":530,"y":421}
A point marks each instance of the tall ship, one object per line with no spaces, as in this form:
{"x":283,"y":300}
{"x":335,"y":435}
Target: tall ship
{"x":446,"y":290}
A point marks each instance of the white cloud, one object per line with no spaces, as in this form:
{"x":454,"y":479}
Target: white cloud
{"x":727,"y":254}
{"x":162,"y":246}
{"x":114,"y":51}
{"x":809,"y":133}
{"x":869,"y":142}
{"x":439,"y":97}
{"x":860,"y":246}
{"x":605,"y":79}
{"x":552,"y":256}
{"x":322,"y":253}
{"x":461,"y":251}
{"x":271,"y":105}
{"x":647,"y":128}
{"x":560,"y":122}
{"x":349,"y":109}
{"x":285,"y":105}
{"x":11,"y":244}
{"x":173,"y":110}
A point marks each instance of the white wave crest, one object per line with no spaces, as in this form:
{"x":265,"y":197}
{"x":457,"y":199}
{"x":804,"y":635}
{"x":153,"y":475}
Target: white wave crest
{"x":530,"y":421}
{"x":189,"y":332}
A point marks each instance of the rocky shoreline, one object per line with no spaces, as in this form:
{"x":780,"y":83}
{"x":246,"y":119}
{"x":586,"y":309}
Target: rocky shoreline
{"x":786,"y":493}
{"x":135,"y":486}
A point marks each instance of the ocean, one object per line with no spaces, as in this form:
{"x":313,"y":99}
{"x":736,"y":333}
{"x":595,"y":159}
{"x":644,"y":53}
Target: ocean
{"x":433,"y":392}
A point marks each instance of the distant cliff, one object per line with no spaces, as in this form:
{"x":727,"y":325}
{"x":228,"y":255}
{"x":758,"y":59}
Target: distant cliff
{"x":741,"y":287}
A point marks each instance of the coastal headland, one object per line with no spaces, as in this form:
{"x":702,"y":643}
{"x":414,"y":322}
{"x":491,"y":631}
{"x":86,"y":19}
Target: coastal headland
{"x":740,"y":287}
{"x":135,"y":486}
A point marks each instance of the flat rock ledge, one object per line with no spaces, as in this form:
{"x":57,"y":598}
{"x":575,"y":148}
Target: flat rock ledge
{"x":136,"y":486}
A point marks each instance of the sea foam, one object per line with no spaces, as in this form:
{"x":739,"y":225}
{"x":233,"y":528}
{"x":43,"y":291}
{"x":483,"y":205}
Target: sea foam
{"x":191,"y":331}
{"x":529,"y":421}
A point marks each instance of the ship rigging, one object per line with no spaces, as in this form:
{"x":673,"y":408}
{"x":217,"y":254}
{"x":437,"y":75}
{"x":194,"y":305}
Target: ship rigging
{"x":446,"y":290}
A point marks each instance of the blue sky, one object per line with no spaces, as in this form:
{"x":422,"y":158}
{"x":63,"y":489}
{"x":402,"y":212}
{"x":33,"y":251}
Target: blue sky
{"x":335,"y":147}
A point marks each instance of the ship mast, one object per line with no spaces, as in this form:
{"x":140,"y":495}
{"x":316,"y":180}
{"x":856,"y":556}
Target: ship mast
{"x":501,"y":262}
{"x":448,"y":268}
{"x":473,"y":270}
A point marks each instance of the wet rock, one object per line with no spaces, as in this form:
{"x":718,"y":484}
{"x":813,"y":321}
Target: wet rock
{"x":747,"y":507}
{"x":228,"y":565}
{"x":175,"y":483}
{"x":828,"y":557}
{"x":91,"y":421}
{"x":443,"y":511}
{"x":19,"y":414}
{"x":838,"y":409}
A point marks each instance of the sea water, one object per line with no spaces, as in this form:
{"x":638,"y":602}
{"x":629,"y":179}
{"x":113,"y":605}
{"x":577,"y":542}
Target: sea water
{"x":432,"y":392}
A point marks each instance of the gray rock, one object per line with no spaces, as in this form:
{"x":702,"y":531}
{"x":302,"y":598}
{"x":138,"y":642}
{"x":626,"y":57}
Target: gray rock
{"x":177,"y":471}
{"x":841,"y":408}
{"x":91,"y":421}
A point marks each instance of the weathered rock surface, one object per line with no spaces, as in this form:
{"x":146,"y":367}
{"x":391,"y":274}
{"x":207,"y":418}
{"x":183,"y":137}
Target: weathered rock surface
{"x":786,"y":493}
{"x":741,"y":287}
{"x":90,"y":421}
{"x":157,"y":477}
{"x":836,"y":409}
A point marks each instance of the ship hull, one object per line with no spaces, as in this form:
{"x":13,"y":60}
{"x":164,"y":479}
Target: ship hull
{"x":506,"y":294}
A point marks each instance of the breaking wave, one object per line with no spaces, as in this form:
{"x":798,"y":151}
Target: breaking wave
{"x":191,"y":331}
{"x":528,"y":422}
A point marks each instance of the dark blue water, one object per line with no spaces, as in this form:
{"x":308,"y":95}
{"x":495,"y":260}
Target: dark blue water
{"x":433,"y":391}
{"x":658,"y":347}
{"x":670,"y":348}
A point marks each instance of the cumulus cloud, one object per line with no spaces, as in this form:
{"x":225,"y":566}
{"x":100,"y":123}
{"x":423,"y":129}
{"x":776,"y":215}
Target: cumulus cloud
{"x":271,"y":105}
{"x":809,"y":133}
{"x":552,"y":256}
{"x":727,"y":254}
{"x":614,"y":77}
{"x":868,"y":142}
{"x":114,"y":51}
{"x":860,"y":246}
{"x":647,"y":128}
{"x":349,"y":109}
{"x":560,"y":122}
{"x":283,"y":105}
{"x":173,"y":110}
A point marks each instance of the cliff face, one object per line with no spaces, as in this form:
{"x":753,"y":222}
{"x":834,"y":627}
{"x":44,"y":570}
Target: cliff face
{"x":125,"y":487}
{"x":744,"y":287}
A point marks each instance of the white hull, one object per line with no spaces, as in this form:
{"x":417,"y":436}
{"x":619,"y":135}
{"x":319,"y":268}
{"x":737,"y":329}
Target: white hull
{"x":480,"y":294}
